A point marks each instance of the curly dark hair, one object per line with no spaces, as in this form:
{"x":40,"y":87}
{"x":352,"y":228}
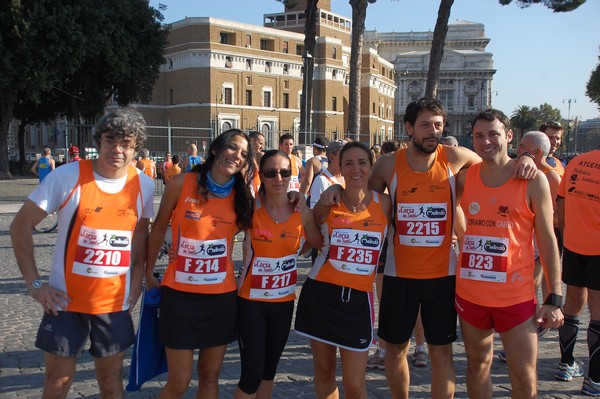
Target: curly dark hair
{"x":122,"y":122}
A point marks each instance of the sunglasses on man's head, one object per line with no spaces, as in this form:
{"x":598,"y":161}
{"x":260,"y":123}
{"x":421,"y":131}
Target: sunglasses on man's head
{"x":271,"y":173}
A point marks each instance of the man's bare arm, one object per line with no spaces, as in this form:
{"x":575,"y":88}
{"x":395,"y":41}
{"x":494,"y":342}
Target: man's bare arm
{"x":538,"y":191}
{"x":309,"y":174}
{"x":138,"y":259}
{"x":21,"y":234}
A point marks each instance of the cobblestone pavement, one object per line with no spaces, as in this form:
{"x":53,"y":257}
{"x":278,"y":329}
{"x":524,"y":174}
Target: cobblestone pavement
{"x":21,"y":364}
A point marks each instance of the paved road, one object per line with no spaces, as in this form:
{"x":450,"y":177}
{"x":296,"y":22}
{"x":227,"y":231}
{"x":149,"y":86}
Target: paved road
{"x":21,"y":364}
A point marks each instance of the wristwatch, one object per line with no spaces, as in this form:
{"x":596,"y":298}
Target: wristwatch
{"x":36,"y":284}
{"x":554,"y":300}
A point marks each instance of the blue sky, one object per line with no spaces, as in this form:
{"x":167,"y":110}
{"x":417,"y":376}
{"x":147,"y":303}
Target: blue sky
{"x":540,"y":56}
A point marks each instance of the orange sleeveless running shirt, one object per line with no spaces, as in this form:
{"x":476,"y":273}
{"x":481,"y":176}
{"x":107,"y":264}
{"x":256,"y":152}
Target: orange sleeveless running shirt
{"x":559,"y":168}
{"x":98,"y":253}
{"x":423,"y":218}
{"x":496,"y":263}
{"x":352,"y":246}
{"x":581,"y":190}
{"x":149,"y":167}
{"x":295,"y":180}
{"x":203,"y":234}
{"x":270,"y":270}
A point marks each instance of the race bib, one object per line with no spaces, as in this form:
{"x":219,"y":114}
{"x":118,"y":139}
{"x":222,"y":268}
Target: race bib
{"x":201,"y":262}
{"x":484,"y":259}
{"x":102,"y":253}
{"x":354,"y":251}
{"x":294,"y":184}
{"x":273,"y":278}
{"x":422,"y":225}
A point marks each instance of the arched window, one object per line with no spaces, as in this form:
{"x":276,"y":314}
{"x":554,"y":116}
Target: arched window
{"x":265,"y":129}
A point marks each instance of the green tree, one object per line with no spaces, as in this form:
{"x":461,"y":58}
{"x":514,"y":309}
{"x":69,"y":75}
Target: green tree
{"x":34,"y":36}
{"x":359,"y":15}
{"x":546,"y":113}
{"x":593,"y":86}
{"x":554,"y":5}
{"x":523,"y":119}
{"x":77,"y":53}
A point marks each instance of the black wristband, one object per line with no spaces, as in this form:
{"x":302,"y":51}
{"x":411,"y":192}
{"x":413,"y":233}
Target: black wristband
{"x":526,"y":154}
{"x":554,"y":300}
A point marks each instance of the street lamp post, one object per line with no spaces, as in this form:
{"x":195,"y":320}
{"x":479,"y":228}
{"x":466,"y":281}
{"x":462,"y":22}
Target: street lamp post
{"x":569,"y":101}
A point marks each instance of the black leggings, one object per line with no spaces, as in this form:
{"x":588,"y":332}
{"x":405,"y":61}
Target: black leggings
{"x":264,"y":329}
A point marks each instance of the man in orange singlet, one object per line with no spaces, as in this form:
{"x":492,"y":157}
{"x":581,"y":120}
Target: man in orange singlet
{"x":286,"y":144}
{"x":494,"y":284}
{"x":314,"y":165}
{"x":579,"y":219}
{"x":146,"y":165}
{"x":98,"y":263}
{"x":538,"y":145}
{"x":554,"y":131}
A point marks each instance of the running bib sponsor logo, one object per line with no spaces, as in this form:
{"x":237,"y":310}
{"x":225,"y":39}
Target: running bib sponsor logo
{"x":102,"y":253}
{"x":273,"y":278}
{"x":354,"y":251}
{"x":484,"y":258}
{"x":201,"y":262}
{"x":422,"y":225}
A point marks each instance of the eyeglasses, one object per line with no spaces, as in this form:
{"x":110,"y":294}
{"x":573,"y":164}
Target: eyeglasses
{"x":125,"y":145}
{"x":271,"y":173}
{"x":551,"y":161}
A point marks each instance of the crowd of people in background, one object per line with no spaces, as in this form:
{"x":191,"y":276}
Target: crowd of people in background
{"x":425,"y":226}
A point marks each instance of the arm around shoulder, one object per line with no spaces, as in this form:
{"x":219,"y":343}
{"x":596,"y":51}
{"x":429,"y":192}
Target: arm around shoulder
{"x":313,"y":235}
{"x":386,"y":206}
{"x":382,"y":172}
{"x":461,"y":157}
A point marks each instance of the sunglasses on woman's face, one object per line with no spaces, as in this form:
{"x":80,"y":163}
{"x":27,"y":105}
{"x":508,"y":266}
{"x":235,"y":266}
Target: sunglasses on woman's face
{"x":271,"y":173}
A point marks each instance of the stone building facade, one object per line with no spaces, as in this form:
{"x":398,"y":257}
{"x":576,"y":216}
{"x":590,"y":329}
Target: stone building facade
{"x":466,"y":73}
{"x":222,"y":74}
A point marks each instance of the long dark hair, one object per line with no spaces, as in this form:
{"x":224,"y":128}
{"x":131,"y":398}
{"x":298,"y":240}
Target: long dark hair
{"x":242,"y":207}
{"x":267,"y":155}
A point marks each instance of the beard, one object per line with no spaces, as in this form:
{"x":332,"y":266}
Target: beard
{"x":425,"y":150}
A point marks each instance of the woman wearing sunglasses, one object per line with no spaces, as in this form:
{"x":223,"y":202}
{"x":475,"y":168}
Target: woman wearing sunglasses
{"x":268,"y":281}
{"x":334,"y":309}
{"x":206,"y":207}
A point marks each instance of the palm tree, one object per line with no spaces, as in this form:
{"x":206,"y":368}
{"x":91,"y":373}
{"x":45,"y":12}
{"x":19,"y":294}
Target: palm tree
{"x":523,"y":119}
{"x":359,"y":14}
{"x":437,"y":47}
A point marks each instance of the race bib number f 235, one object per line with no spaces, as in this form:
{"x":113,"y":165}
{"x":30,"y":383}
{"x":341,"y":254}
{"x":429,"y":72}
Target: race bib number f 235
{"x":354,"y":251}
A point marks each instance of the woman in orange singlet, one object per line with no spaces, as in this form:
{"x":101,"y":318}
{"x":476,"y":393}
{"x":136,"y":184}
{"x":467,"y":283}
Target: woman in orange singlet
{"x":334,"y":309}
{"x":206,"y":207}
{"x":268,"y":282}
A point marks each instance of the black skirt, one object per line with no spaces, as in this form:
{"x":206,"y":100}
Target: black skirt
{"x":197,"y":321}
{"x":335,"y":315}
